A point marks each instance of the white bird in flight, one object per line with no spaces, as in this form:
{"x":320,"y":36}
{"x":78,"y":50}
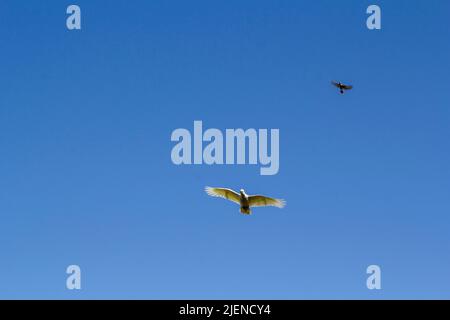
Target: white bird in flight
{"x":245,"y":201}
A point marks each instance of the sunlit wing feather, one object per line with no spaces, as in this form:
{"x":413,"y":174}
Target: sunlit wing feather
{"x":262,"y":201}
{"x":223,"y":193}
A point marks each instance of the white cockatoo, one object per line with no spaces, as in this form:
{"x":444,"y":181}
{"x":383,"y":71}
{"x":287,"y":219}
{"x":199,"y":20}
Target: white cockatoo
{"x":245,"y":201}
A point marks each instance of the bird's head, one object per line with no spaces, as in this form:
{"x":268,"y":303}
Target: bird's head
{"x":242,"y":192}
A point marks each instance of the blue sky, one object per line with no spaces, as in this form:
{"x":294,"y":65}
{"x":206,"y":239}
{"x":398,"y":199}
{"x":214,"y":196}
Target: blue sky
{"x":86,"y":176}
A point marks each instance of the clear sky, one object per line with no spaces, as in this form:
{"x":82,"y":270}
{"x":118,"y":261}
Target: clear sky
{"x":86,"y":176}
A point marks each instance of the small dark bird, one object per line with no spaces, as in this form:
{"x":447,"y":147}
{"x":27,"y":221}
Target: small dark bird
{"x":244,"y":200}
{"x":342,"y":87}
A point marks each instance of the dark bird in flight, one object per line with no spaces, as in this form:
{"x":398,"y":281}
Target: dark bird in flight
{"x":342,"y":87}
{"x":243,"y":200}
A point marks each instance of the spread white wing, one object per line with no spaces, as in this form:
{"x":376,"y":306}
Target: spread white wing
{"x":262,"y":201}
{"x":223,"y":193}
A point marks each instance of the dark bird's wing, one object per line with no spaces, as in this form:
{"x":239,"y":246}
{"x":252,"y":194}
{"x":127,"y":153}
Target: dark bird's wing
{"x":262,"y":201}
{"x":334,"y":83}
{"x":223,"y":193}
{"x":347,"y":87}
